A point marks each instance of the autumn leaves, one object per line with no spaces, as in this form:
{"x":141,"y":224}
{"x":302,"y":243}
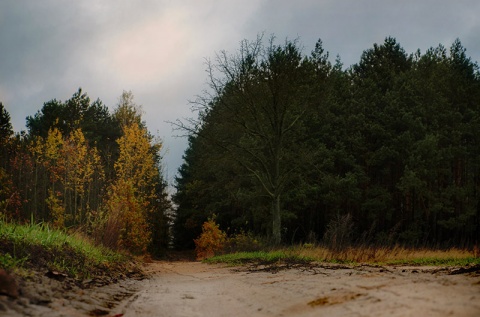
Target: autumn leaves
{"x":133,"y":190}
{"x":83,"y":168}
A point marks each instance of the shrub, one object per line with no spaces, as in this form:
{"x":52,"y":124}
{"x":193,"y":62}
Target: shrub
{"x":243,"y":242}
{"x":211,"y":240}
{"x":126,"y":226}
{"x":338,"y":234}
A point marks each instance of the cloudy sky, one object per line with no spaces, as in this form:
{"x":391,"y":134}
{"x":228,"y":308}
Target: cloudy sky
{"x":157,"y":48}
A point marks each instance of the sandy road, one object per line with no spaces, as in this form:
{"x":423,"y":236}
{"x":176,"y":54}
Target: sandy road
{"x":197,"y":289}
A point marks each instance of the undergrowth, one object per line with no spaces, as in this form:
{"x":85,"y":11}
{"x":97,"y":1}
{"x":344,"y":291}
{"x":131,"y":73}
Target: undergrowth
{"x":213,"y":246}
{"x":353,"y":255}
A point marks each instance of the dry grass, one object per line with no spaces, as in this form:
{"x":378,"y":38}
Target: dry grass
{"x":354,"y":255}
{"x":389,"y":255}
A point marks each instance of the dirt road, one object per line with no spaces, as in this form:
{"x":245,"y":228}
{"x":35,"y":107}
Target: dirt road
{"x":197,"y":289}
{"x":182,"y":288}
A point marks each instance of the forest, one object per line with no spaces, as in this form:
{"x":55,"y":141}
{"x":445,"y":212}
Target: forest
{"x":284,"y":146}
{"x":80,"y":168}
{"x":298,"y":149}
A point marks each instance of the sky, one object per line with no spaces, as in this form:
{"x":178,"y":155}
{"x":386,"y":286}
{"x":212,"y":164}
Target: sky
{"x":157,"y":49}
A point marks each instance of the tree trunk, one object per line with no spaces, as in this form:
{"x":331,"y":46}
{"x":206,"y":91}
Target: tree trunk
{"x":276,"y":220}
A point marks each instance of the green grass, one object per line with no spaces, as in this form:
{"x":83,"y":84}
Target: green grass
{"x":266,"y":257}
{"x":369,"y":255}
{"x":438,"y":261}
{"x":38,"y":246}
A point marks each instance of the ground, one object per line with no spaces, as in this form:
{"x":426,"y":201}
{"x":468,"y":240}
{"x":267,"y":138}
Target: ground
{"x":192,"y":288}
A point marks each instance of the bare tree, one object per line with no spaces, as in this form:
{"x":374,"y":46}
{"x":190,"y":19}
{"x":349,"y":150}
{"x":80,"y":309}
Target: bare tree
{"x":262,"y":95}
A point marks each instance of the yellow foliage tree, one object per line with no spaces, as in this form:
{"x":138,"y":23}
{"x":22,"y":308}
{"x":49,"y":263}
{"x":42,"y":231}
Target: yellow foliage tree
{"x":71,"y":166}
{"x":134,"y":188}
{"x":81,"y":162}
{"x":136,"y":161}
{"x":48,"y":159}
{"x":56,"y":207}
{"x":127,"y":223}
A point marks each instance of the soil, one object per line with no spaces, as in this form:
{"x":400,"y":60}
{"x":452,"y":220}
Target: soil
{"x":189,"y":288}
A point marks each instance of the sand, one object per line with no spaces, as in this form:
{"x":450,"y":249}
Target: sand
{"x":186,"y":288}
{"x":197,"y":289}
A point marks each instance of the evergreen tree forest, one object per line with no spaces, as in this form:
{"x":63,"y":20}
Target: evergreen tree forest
{"x":81,"y":167}
{"x":291,"y":146}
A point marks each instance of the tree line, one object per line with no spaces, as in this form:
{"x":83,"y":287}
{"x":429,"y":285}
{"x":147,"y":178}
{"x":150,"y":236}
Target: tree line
{"x":81,"y":167}
{"x":293,"y":147}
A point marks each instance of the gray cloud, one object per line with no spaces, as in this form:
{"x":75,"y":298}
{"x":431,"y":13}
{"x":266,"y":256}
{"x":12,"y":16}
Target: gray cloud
{"x":156,"y":49}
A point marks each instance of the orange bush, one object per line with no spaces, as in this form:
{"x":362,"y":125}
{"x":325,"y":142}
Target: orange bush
{"x":211,"y":241}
